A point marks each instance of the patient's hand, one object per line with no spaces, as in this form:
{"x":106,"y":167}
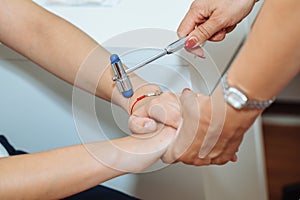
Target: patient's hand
{"x":148,"y":111}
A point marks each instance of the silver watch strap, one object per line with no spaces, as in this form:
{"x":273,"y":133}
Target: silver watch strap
{"x":250,"y":104}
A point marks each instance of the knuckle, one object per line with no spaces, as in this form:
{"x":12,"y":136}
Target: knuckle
{"x":168,"y":95}
{"x":175,"y":118}
{"x":194,"y":7}
{"x":203,"y":32}
{"x":220,"y":161}
{"x":220,"y":21}
{"x":202,"y":162}
{"x":198,"y":10}
{"x":154,"y":101}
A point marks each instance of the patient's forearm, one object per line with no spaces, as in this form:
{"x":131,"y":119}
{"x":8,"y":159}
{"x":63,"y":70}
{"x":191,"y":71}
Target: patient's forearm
{"x":57,"y":46}
{"x":53,"y":174}
{"x":60,"y":48}
{"x":46,"y":39}
{"x":62,"y":172}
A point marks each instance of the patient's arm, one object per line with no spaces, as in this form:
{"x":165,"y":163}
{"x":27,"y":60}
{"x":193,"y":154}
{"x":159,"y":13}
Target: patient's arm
{"x":64,"y":50}
{"x":67,"y":52}
{"x":60,"y":48}
{"x":62,"y":172}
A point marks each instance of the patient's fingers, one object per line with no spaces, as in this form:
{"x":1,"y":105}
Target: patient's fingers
{"x":165,"y":109}
{"x":141,"y":124}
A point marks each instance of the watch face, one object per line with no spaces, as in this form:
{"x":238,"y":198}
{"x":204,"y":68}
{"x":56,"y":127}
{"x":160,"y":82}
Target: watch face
{"x":235,"y":98}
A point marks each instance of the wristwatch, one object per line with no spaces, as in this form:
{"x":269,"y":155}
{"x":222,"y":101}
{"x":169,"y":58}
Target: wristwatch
{"x":238,"y":100}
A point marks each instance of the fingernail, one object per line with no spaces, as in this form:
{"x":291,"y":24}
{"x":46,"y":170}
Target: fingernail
{"x":186,"y":89}
{"x":200,"y":53}
{"x":234,"y":158}
{"x":150,"y":125}
{"x":191,"y":42}
{"x":203,"y":153}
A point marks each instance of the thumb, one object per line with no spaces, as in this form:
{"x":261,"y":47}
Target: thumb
{"x":188,"y":100}
{"x":203,"y":32}
{"x":141,"y":125}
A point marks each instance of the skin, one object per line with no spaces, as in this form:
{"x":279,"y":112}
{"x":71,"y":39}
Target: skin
{"x":59,"y":173}
{"x":267,"y":62}
{"x":211,"y":20}
{"x":256,"y":72}
{"x":87,"y":168}
{"x":65,"y":51}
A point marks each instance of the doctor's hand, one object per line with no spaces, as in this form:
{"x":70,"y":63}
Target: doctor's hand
{"x":211,"y":20}
{"x":211,"y":131}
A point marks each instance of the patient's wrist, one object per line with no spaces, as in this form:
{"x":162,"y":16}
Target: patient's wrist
{"x":144,"y":90}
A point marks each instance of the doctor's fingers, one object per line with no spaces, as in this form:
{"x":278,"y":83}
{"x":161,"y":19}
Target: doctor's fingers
{"x":185,"y":147}
{"x":211,"y":19}
{"x":220,"y":35}
{"x":202,"y":21}
{"x":226,"y":148}
{"x":196,"y":14}
{"x":184,"y":137}
{"x":193,"y":47}
{"x":229,"y":154}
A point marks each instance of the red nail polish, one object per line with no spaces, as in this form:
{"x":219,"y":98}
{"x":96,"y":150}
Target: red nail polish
{"x":190,"y":43}
{"x":186,"y":89}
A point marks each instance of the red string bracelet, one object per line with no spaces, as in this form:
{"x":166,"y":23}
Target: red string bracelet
{"x":151,"y":94}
